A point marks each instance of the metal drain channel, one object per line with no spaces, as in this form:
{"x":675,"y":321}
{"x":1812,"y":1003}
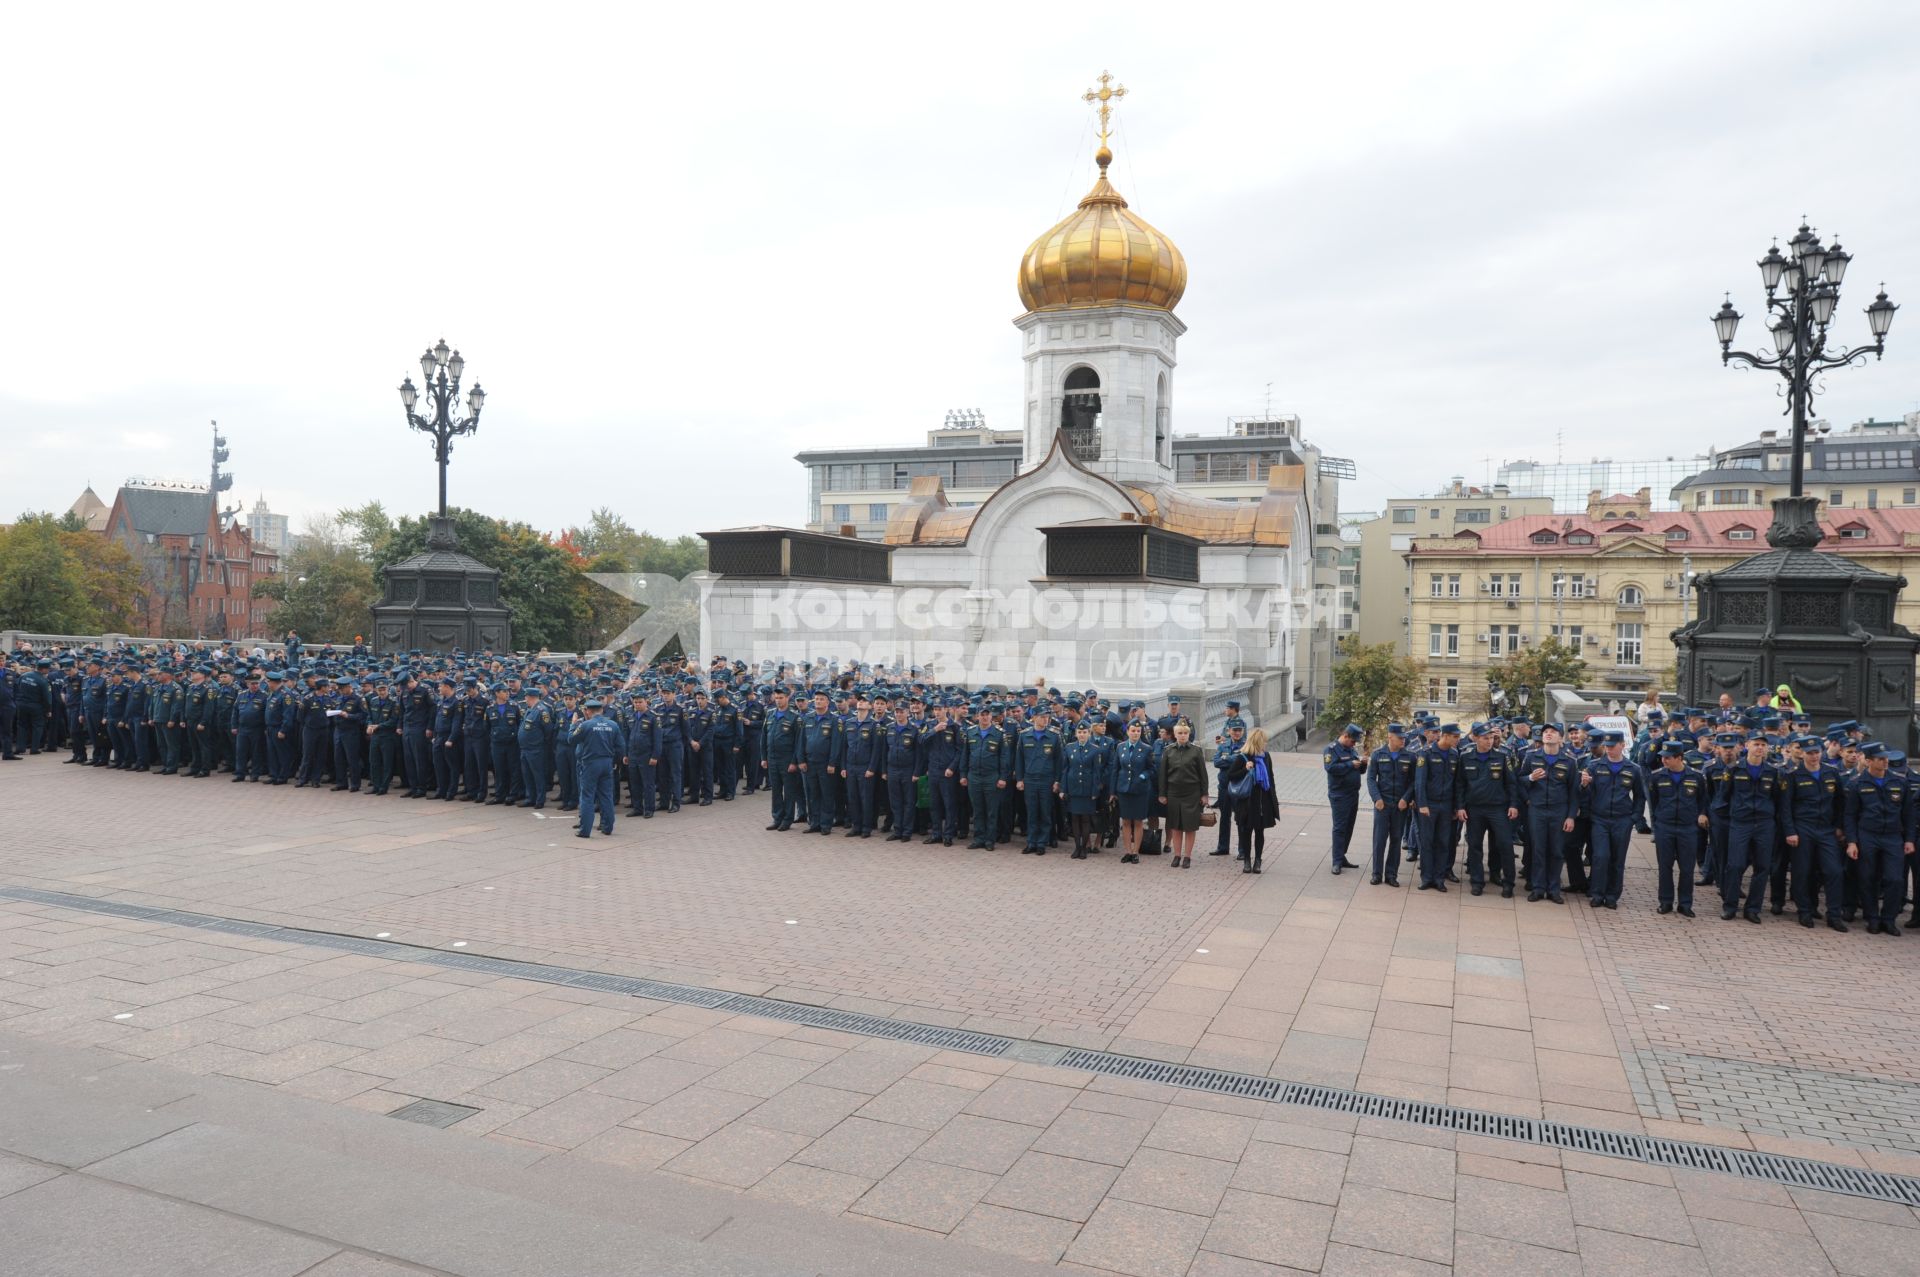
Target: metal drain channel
{"x":1797,"y":1172}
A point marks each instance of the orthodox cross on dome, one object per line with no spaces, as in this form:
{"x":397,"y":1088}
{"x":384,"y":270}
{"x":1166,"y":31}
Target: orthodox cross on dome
{"x":1106,"y":95}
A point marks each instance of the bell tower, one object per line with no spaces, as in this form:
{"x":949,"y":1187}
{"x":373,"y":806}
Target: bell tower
{"x":1099,"y":335}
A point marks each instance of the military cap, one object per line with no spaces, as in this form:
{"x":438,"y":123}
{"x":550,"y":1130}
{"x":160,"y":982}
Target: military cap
{"x":592,"y":702}
{"x":1727,"y":738}
{"x":1896,"y":758}
{"x":321,"y":678}
{"x":1233,"y":704}
{"x":1673,"y":749}
{"x":1396,"y":729}
{"x":1873,"y":749}
{"x":1354,"y":730}
{"x":531,"y":691}
{"x":1478,"y":730}
{"x":1450,"y":729}
{"x":1172,"y":699}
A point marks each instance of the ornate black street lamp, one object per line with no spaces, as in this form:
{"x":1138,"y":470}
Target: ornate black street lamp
{"x":440,"y":369}
{"x":1803,"y":289}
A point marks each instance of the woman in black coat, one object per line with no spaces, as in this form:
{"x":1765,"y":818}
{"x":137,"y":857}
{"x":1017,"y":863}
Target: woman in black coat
{"x":1259,"y":811}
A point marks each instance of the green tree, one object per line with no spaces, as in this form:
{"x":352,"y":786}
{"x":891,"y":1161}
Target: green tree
{"x":71,"y":522}
{"x":110,"y":577}
{"x":1372,"y":686}
{"x":43,"y":587}
{"x":325,"y":588}
{"x":540,"y":584}
{"x":1532,"y":667}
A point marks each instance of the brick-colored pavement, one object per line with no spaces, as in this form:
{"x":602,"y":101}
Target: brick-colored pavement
{"x":1484,"y":1002}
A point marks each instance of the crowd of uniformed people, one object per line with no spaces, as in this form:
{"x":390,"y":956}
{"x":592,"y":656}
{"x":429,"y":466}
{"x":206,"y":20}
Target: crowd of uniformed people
{"x":861,"y":751}
{"x":1751,"y":803}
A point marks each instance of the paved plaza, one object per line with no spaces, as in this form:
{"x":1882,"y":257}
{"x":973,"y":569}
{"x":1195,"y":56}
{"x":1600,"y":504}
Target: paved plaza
{"x":190,"y":1098}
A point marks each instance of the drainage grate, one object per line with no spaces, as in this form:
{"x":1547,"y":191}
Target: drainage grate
{"x":1798,"y":1172}
{"x":1219,"y":1081}
{"x":871,"y":1025}
{"x":433,"y":1113}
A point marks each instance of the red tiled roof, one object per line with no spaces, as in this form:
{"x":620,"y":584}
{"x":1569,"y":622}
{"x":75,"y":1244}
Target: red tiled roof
{"x":1620,"y":498}
{"x":1886,"y":530}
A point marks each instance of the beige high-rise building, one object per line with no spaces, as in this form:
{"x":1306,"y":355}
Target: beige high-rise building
{"x":1382,"y":581}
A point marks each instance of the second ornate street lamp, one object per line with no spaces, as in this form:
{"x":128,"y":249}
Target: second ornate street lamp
{"x":440,"y":370}
{"x":1803,"y":289}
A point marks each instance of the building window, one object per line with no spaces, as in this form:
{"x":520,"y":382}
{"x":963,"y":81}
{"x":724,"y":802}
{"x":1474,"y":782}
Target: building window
{"x":842,"y":513}
{"x":1676,"y":534}
{"x":1730,"y":496}
{"x":1873,"y":498}
{"x":1433,"y":585}
{"x":1543,"y":538}
{"x":876,"y":514}
{"x":1473,"y":516}
{"x":1453,"y":640}
{"x":1496,"y":585}
{"x":1433,"y":512}
{"x":1579,"y":538}
{"x":1854,"y":533}
{"x":1405,"y":514}
{"x":1453,"y":585}
{"x":1836,"y":498}
{"x":1631,"y":596}
{"x":1626,"y":643}
{"x":1433,"y":639}
{"x":1739,"y":534}
{"x":1513,"y":584}
{"x":1699,"y":499}
{"x":1906,"y":496}
{"x":1453,"y":691}
{"x":1572,"y":636}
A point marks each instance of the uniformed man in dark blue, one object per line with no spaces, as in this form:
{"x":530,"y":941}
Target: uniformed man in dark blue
{"x":903,"y":761}
{"x":1390,"y":787}
{"x":1036,"y":774}
{"x":1817,"y":804}
{"x":597,"y":744}
{"x":32,"y":704}
{"x":1613,"y":791}
{"x":96,"y":702}
{"x":249,"y":732}
{"x":139,"y":715}
{"x":1550,"y":796}
{"x":780,"y":758}
{"x":1433,"y":784}
{"x":9,"y":709}
{"x":726,"y":744}
{"x":383,"y":734}
{"x":1754,"y":804}
{"x":1345,"y":770}
{"x":1487,"y":802}
{"x":503,"y":744}
{"x":943,"y":761}
{"x":1880,"y":825}
{"x":283,"y":727}
{"x":349,"y":734}
{"x":1226,"y":748}
{"x":476,"y":743}
{"x":535,"y":739}
{"x":448,"y":741}
{"x":671,"y":773}
{"x":989,"y":768}
{"x":117,"y":733}
{"x":863,"y":749}
{"x":820,"y":755}
{"x":199,"y":722}
{"x":75,"y":685}
{"x":1676,"y":806}
{"x":753,"y":725}
{"x":642,"y":755}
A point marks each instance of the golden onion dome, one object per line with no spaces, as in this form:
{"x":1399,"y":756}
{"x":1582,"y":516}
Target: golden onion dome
{"x":1102,"y":254}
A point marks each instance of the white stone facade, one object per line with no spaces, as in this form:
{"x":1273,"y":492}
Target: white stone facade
{"x":1132,"y":349}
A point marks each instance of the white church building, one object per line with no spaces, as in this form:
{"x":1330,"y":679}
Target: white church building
{"x":1089,"y":568}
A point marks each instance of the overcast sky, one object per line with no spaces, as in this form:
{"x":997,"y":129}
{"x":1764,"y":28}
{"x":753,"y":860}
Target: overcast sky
{"x":678,"y":244}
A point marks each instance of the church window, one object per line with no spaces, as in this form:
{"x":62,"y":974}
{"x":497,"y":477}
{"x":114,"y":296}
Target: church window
{"x":1080,"y":413}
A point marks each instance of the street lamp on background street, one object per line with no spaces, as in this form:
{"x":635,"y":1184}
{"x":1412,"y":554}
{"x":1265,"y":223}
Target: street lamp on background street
{"x":440,"y":370}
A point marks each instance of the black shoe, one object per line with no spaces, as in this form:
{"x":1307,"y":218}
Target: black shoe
{"x":1889,"y":928}
{"x":1778,"y":909}
{"x":1426,"y":886}
{"x":1452,"y":876}
{"x":1128,"y":859}
{"x":584,"y":833}
{"x":1338,"y":865}
{"x":1506,"y":892}
{"x":1393,"y":882}
{"x":1222,"y":852}
{"x":1686,"y":911}
{"x":775,"y":825}
{"x":1247,"y":869}
{"x":1664,"y":909}
{"x":1726,"y":914}
{"x":1535,"y":897}
{"x":1347,"y":864}
{"x":1478,"y":887}
{"x":706,"y":802}
{"x":1806,"y":920}
{"x":1753,"y":916}
{"x":1374,"y":881}
{"x":1873,"y":928}
{"x":1834,"y":924}
{"x":607,"y":831}
{"x":1439,"y":886}
{"x":1703,"y":882}
{"x":1556,"y":897}
{"x":496,"y":802}
{"x":946,"y":842}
